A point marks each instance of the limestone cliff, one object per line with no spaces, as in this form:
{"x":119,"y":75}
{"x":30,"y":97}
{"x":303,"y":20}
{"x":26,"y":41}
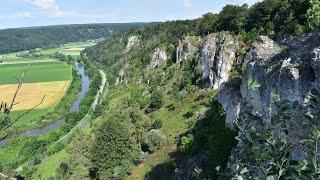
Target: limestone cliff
{"x":132,"y":41}
{"x":275,"y":74}
{"x":217,"y":55}
{"x":158,"y":57}
{"x":288,"y":70}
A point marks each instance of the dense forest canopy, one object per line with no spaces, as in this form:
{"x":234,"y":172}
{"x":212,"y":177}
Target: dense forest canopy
{"x":20,"y":39}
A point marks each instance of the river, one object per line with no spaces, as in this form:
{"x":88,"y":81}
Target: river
{"x":74,"y":108}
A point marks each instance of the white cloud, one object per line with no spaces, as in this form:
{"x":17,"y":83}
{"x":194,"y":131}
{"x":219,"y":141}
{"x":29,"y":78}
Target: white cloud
{"x":50,"y":6}
{"x":187,"y":3}
{"x":53,"y":10}
{"x":44,"y":4}
{"x":18,"y":16}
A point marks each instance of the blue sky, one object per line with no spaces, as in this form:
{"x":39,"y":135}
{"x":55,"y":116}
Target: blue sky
{"x":25,"y":13}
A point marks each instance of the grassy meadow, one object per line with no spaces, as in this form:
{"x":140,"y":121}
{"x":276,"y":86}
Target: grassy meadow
{"x":38,"y":72}
{"x":72,"y":49}
{"x":16,"y":59}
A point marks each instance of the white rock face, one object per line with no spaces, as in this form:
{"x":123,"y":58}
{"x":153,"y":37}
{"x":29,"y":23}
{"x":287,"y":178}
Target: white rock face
{"x":290,"y":73}
{"x":217,"y":57}
{"x":122,"y":77}
{"x":132,"y":41}
{"x":262,"y":50}
{"x":285,"y":75}
{"x":230,"y":98}
{"x":143,"y":80}
{"x":158,"y":57}
{"x":186,"y":48}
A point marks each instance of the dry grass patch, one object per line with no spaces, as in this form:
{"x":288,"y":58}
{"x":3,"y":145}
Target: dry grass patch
{"x":32,"y":93}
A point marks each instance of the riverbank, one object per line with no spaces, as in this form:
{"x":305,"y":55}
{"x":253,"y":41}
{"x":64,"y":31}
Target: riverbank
{"x":53,"y":159}
{"x":46,"y":122}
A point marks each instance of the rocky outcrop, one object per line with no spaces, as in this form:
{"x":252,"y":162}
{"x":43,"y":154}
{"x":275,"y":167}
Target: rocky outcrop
{"x":132,"y":41}
{"x":158,"y":57}
{"x":122,"y":76}
{"x":187,"y":48}
{"x":275,"y":75}
{"x":216,"y":59}
{"x":230,"y":98}
{"x":288,"y":73}
{"x":143,"y":80}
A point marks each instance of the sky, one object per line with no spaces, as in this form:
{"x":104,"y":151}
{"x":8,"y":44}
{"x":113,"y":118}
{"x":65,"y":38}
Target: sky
{"x":27,"y":13}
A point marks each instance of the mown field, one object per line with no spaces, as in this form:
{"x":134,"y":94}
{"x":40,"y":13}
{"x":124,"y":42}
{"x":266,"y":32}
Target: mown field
{"x":38,"y":72}
{"x":72,"y":49}
{"x":15,"y":59}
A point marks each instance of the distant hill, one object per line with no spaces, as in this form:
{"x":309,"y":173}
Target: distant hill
{"x":19,"y":39}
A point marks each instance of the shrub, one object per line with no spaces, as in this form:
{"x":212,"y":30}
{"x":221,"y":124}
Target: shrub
{"x":64,"y":170}
{"x":171,"y":107}
{"x":188,"y":115}
{"x":157,"y":124}
{"x":156,"y":101}
{"x":187,"y":145}
{"x":155,"y":140}
{"x":31,"y":148}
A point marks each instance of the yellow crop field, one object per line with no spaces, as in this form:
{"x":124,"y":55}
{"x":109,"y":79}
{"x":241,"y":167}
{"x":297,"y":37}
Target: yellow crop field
{"x":31,"y":94}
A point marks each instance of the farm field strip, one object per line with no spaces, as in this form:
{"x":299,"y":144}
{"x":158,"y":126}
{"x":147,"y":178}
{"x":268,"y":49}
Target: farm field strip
{"x":14,"y":58}
{"x":38,"y":72}
{"x":32,"y":93}
{"x":28,"y":61}
{"x":50,"y":78}
{"x":72,"y":49}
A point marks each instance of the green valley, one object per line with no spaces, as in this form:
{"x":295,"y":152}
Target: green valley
{"x":229,"y":94}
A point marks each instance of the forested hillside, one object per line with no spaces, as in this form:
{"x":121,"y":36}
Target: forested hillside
{"x":13,"y":40}
{"x":232,"y":95}
{"x":174,"y":86}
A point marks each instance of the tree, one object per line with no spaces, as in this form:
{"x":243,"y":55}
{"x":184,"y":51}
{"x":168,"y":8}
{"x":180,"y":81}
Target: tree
{"x":314,"y":14}
{"x":156,"y":101}
{"x":112,"y":147}
{"x":63,"y":170}
{"x":233,"y":18}
{"x":207,"y":23}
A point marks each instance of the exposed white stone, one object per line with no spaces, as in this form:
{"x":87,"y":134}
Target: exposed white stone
{"x":132,"y":41}
{"x":217,"y":55}
{"x":158,"y":57}
{"x":122,"y":77}
{"x":295,"y":73}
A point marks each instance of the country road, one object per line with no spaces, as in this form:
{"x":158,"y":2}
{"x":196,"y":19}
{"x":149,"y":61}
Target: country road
{"x":101,"y":89}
